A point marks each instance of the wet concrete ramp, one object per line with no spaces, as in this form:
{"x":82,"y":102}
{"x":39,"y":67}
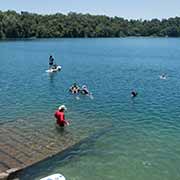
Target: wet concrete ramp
{"x":22,"y":144}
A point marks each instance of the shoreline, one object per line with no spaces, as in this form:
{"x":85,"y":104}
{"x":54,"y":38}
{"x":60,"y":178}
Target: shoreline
{"x":85,"y":38}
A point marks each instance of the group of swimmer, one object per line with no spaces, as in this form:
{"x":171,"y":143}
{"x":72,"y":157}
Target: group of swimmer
{"x":75,"y":89}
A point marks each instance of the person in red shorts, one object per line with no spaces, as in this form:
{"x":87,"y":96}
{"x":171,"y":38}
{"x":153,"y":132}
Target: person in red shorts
{"x":60,"y":117}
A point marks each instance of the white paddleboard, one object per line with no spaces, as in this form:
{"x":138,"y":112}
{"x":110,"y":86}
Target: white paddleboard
{"x":54,"y":177}
{"x":54,"y":70}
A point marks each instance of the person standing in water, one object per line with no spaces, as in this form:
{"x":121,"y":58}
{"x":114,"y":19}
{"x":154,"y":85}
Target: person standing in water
{"x":60,"y":117}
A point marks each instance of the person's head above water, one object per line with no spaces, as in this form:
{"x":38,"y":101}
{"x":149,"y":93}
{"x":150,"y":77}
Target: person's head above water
{"x":84,"y":87}
{"x":62,"y":108}
{"x":134,"y":93}
{"x":75,"y":85}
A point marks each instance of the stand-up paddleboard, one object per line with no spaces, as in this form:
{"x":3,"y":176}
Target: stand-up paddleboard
{"x":54,"y":177}
{"x":58,"y":68}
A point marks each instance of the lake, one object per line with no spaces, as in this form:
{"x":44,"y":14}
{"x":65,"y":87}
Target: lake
{"x":139,"y":138}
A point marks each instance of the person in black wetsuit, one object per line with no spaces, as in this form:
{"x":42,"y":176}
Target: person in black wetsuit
{"x":51,"y":61}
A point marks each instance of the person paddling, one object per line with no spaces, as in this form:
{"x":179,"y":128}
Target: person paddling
{"x":60,"y":117}
{"x":51,"y":61}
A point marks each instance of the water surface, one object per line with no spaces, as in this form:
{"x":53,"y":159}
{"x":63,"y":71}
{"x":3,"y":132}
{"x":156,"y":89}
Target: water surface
{"x":141,"y":140}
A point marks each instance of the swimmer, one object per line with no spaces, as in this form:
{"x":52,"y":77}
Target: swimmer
{"x":74,"y":89}
{"x":85,"y":90}
{"x":134,"y":94}
{"x":163,"y":76}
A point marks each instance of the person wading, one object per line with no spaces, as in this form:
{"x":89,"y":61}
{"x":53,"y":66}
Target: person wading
{"x":60,"y":117}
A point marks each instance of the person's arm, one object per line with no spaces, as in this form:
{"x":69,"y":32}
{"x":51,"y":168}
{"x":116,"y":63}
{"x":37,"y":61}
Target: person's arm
{"x":55,"y":114}
{"x":64,"y":121}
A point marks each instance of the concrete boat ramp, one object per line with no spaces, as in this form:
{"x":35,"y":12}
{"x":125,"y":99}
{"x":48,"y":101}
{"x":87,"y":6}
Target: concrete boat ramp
{"x":22,"y":144}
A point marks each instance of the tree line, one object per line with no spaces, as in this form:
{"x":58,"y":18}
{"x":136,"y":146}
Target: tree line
{"x":30,"y":25}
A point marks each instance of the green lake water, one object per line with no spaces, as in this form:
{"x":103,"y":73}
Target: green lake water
{"x":139,"y":138}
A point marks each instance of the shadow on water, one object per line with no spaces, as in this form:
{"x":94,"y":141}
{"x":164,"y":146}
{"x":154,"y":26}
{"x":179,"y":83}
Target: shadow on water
{"x":78,"y":150}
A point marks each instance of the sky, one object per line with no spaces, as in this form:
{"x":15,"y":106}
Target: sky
{"x":129,"y":9}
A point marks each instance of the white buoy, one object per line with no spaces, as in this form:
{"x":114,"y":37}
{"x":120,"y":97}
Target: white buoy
{"x":54,"y":177}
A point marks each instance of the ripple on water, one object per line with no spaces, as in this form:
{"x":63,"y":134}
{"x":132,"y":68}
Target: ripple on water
{"x":143,"y":141}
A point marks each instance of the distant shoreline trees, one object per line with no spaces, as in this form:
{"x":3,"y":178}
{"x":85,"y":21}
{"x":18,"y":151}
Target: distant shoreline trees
{"x":72,"y":25}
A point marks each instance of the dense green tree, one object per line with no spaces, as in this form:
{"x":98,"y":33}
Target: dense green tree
{"x":27,"y":25}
